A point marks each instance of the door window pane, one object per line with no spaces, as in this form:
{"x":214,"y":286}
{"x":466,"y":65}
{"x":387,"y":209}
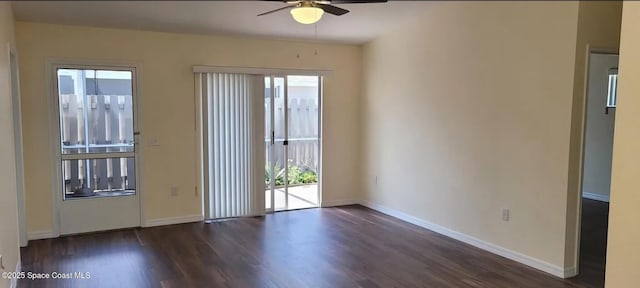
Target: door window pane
{"x":96,"y":117}
{"x":304,"y":144}
{"x":98,"y":177}
{"x":96,"y":111}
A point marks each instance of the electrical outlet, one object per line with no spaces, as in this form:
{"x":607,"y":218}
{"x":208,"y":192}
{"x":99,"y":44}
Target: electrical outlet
{"x":376,"y":180}
{"x":505,"y":214}
{"x":174,"y":191}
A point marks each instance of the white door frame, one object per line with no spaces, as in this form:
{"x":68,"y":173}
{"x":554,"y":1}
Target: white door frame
{"x":54,"y":135}
{"x":272,"y":143}
{"x":272,"y":147}
{"x":320,"y":145}
{"x":14,"y":74}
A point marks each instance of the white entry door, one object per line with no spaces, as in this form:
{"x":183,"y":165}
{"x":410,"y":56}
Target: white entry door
{"x":97,"y":154}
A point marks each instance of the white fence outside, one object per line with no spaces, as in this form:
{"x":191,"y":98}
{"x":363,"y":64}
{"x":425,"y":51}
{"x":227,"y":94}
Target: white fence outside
{"x":303,"y":145}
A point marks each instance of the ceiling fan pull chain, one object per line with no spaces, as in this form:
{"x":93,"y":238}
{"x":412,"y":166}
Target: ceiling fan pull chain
{"x":315,"y":52}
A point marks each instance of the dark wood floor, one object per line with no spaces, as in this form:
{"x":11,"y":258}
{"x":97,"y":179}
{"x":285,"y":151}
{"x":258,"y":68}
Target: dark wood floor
{"x":593,"y":243}
{"x":349,"y":246}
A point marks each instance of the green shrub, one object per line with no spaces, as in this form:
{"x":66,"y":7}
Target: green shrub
{"x":308,"y":177}
{"x":278,"y":172}
{"x":296,"y":175}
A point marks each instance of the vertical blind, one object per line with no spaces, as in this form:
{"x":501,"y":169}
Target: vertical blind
{"x":234,"y":117}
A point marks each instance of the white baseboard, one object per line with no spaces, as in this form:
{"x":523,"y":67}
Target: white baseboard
{"x":42,"y":234}
{"x":173,"y":220}
{"x":46,"y":234}
{"x":595,"y":196}
{"x":14,"y":280}
{"x":339,"y":203}
{"x":495,"y":249}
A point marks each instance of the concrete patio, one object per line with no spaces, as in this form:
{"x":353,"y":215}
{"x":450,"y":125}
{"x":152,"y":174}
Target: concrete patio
{"x":300,"y":197}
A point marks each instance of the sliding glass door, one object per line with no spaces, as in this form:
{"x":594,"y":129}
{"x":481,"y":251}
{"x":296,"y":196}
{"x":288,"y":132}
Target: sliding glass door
{"x":262,"y":143}
{"x":292,"y":142}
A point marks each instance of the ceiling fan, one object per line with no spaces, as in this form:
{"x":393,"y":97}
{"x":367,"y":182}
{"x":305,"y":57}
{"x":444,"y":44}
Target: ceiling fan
{"x":311,"y":11}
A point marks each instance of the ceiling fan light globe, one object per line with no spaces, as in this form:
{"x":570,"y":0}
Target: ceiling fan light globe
{"x":307,"y":15}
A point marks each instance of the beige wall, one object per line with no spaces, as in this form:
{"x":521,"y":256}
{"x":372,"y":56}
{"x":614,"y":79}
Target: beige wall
{"x":598,"y":145}
{"x":623,"y":255}
{"x":598,"y":29}
{"x":168,"y":105}
{"x":467,"y":111}
{"x":9,"y":244}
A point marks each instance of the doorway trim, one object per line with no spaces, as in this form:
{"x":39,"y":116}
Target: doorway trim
{"x":54,"y":129}
{"x":578,"y":223}
{"x":16,"y":102}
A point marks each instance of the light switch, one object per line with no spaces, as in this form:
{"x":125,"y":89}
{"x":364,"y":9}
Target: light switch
{"x":505,"y":214}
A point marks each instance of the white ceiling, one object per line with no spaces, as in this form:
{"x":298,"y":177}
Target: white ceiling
{"x":363,"y":23}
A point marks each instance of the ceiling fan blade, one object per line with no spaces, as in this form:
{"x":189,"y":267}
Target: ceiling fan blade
{"x":333,"y":9}
{"x":357,"y":1}
{"x":276,"y":10}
